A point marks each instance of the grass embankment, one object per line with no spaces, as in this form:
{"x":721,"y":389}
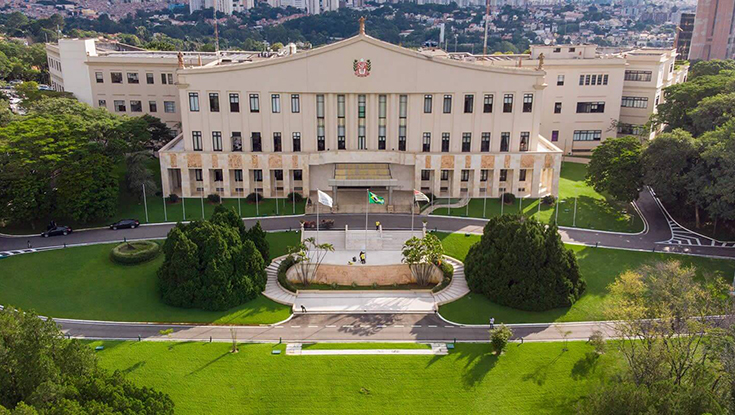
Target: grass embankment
{"x":594,"y":210}
{"x":598,"y":266}
{"x":533,"y":378}
{"x":85,"y":283}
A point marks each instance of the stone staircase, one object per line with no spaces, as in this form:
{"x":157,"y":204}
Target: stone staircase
{"x":273,"y":289}
{"x":457,"y":288}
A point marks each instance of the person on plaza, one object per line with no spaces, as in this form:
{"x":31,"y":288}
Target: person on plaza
{"x":362,"y":257}
{"x":377,"y":226}
{"x":492,"y":322}
{"x":303,"y":309}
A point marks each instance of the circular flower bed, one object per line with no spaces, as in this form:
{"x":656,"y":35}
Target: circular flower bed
{"x":135,"y":252}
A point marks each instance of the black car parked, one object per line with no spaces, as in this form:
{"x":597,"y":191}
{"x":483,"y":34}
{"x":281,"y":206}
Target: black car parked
{"x":56,"y":230}
{"x":125,"y":223}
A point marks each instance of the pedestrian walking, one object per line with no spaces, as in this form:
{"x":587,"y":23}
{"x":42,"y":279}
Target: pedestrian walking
{"x":362,"y":257}
{"x":303,"y":309}
{"x":377,"y":225}
{"x":492,"y":323}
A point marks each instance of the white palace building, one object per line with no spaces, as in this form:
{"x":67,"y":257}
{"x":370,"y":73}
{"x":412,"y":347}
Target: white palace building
{"x":362,"y":113}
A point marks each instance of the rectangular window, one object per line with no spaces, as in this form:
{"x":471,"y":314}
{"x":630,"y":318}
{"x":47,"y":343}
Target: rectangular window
{"x":522,"y":175}
{"x":152,"y":106}
{"x":361,"y":108}
{"x":508,"y":103}
{"x":295,"y":103}
{"x":402,"y":121}
{"x":469,"y":103}
{"x":238,"y":176}
{"x":631,"y":129}
{"x":196,"y":138}
{"x":426,"y":143}
{"x":503,"y":175}
{"x":236,"y":141}
{"x":193,"y":101}
{"x":581,"y":80}
{"x":296,"y":142}
{"x":560,"y":80}
{"x":425,"y":175}
{"x":298,"y":175}
{"x":445,"y":142}
{"x":638,"y":76}
{"x":487,"y":103}
{"x":256,"y":142}
{"x":169,"y":107}
{"x":257,"y":175}
{"x":465,"y":176}
{"x":428,"y":103}
{"x":504,"y":141}
{"x":557,"y":108}
{"x":484,"y":175}
{"x":218,"y":176}
{"x":276,"y":103}
{"x":634,"y":102}
{"x":278,"y":174}
{"x":382,"y":114}
{"x":555,"y":135}
{"x":102,"y":103}
{"x":234,"y":102}
{"x":136,"y":106}
{"x":587,"y":79}
{"x":604,"y":79}
{"x":120,"y":106}
{"x":447,"y":108}
{"x":167,"y":78}
{"x":466,"y":142}
{"x":527,"y":102}
{"x":525,"y":138}
{"x":341,"y":141}
{"x":133,"y":78}
{"x":587,"y":135}
{"x":216,"y":140}
{"x":213,"y":102}
{"x":99,"y":77}
{"x":590,"y":107}
{"x":277,"y":143}
{"x":254,"y":103}
{"x":320,"y":127}
{"x":485,"y":142}
{"x":444,"y":175}
{"x":116,"y":77}
{"x":149,"y":79}
{"x":198,"y":176}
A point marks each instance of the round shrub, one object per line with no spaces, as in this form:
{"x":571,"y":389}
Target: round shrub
{"x":214,"y":198}
{"x":130,"y":253}
{"x":523,"y":264}
{"x":251,"y":198}
{"x":508,"y":198}
{"x":548,"y":200}
{"x":295,"y":197}
{"x":173,"y":198}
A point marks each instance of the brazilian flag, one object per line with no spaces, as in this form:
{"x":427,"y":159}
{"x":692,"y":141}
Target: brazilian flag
{"x":375,"y":199}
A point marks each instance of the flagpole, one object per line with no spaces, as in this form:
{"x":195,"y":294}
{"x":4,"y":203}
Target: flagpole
{"x":367,"y":208}
{"x":317,"y":216}
{"x":413,"y":202}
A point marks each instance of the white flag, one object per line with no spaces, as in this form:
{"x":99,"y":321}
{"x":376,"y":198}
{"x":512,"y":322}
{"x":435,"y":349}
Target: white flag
{"x":324,"y":198}
{"x":420,"y":197}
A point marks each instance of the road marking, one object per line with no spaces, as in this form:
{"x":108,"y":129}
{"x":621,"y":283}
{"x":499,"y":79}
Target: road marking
{"x":432,"y":325}
{"x":313,"y":327}
{"x":381,"y":326}
{"x":449,"y":327}
{"x":364,"y":326}
{"x":398,"y":326}
{"x":295,"y":327}
{"x":347,"y":326}
{"x":331,"y":326}
{"x":278,"y":327}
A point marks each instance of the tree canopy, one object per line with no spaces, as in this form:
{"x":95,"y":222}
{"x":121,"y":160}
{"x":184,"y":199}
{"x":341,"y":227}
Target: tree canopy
{"x":615,"y":168}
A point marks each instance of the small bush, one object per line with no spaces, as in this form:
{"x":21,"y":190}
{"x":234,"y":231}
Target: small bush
{"x":295,"y":197}
{"x":448,"y":272}
{"x":287,"y":263}
{"x":130,"y":253}
{"x":214,"y":198}
{"x":375,"y":285}
{"x":333,"y":286}
{"x":173,"y":198}
{"x":548,"y":200}
{"x":499,"y":337}
{"x":508,"y":198}
{"x":597,"y":340}
{"x":252,"y":198}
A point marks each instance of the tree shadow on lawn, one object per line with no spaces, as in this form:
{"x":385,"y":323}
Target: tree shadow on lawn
{"x":539,"y":375}
{"x":585,"y":366}
{"x":479,"y":360}
{"x":134,"y":367}
{"x":211,"y":362}
{"x":598,"y":214}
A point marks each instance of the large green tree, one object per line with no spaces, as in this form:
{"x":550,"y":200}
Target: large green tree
{"x":667,"y":164}
{"x":43,"y":373}
{"x":523,"y":264}
{"x":616,"y":169}
{"x":86,"y":188}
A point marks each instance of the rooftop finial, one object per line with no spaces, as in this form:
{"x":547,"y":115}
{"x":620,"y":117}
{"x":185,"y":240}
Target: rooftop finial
{"x":362,"y":25}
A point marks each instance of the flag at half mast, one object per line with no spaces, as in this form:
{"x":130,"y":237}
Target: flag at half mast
{"x":420,"y":197}
{"x":375,"y":199}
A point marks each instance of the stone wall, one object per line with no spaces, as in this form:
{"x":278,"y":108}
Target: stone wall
{"x":364,"y":275}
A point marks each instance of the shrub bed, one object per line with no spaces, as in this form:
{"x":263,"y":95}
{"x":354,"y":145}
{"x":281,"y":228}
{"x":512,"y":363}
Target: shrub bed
{"x":448,"y":271}
{"x":283,"y":267}
{"x":130,"y":253}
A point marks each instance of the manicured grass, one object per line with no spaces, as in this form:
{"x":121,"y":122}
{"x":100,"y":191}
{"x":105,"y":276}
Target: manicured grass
{"x":598,"y":266}
{"x":364,"y":346}
{"x":594,"y":210}
{"x":84,"y":283}
{"x":532,"y":378}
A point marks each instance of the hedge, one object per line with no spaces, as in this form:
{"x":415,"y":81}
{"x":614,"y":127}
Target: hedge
{"x":448,"y":272}
{"x":144,"y":251}
{"x":283,"y":267}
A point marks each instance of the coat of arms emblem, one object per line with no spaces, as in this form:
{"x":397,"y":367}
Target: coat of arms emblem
{"x":361,"y":67}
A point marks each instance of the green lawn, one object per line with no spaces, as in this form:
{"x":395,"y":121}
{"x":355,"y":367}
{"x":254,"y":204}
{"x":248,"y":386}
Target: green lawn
{"x":598,"y":266}
{"x":84,"y":283}
{"x":533,"y":378}
{"x":594,"y":210}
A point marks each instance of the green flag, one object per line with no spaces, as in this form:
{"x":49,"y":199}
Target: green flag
{"x":375,"y":199}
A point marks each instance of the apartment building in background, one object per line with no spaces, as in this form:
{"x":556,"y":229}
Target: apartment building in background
{"x":684,"y":31}
{"x":714,"y":30}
